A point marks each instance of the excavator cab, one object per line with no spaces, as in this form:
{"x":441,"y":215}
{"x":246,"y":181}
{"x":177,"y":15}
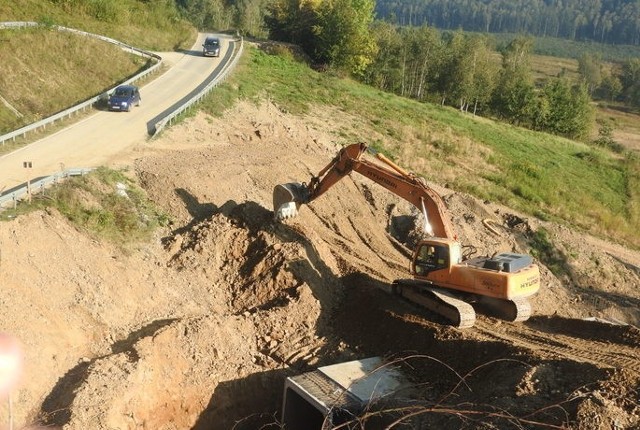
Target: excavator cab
{"x":431,"y":255}
{"x":429,"y":258}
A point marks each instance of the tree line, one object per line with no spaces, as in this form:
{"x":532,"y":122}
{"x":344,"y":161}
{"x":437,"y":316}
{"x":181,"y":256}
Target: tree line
{"x":464,"y":71}
{"x":245,"y":15}
{"x":451,"y":68}
{"x":604,"y":21}
{"x":420,"y":62}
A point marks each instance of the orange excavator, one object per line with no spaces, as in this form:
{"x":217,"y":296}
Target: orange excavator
{"x":444,"y":280}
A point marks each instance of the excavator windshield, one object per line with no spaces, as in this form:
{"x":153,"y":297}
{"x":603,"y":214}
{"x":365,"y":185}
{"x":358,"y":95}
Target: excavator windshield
{"x":433,"y":255}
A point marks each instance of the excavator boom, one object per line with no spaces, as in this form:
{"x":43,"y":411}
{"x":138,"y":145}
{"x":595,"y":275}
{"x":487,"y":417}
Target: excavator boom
{"x":287,"y":198}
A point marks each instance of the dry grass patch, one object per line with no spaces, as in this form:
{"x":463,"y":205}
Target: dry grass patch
{"x":58,"y":70}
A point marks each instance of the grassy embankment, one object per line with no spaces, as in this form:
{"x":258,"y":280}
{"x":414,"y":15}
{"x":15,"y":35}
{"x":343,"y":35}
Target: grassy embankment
{"x":44,"y":71}
{"x":546,"y":176}
{"x":106,"y":203}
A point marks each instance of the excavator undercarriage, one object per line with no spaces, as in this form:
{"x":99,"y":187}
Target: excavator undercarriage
{"x":457,"y":307}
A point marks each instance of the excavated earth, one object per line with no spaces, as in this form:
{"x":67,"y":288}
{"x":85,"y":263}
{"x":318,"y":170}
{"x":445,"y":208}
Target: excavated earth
{"x":199,"y":328}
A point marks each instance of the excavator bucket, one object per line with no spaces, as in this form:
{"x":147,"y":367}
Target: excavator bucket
{"x":287,"y":198}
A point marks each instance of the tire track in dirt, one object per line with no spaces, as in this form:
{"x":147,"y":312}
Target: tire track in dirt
{"x":598,"y":343}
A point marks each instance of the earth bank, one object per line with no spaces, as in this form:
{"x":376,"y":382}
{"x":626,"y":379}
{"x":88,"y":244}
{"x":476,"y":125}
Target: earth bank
{"x":199,"y":328}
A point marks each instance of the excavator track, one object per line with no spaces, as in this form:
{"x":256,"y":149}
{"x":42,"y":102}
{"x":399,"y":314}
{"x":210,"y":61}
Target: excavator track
{"x":509,"y":310}
{"x":460,"y":313}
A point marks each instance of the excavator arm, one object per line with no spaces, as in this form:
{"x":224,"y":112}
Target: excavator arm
{"x":287,"y":198}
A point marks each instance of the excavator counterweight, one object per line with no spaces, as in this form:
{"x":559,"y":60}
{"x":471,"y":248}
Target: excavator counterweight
{"x":442,"y":280}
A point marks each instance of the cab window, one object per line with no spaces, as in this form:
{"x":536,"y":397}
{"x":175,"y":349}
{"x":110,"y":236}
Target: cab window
{"x":431,"y":257}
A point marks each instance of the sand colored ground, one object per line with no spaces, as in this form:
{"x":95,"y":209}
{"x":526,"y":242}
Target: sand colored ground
{"x":199,"y":328}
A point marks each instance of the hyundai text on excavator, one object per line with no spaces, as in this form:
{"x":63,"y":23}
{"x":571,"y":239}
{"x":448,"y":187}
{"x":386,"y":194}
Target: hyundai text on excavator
{"x":444,"y":280}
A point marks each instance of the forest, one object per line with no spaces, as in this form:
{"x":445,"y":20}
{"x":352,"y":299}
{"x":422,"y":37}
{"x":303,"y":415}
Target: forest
{"x":604,"y":21}
{"x":408,"y":55}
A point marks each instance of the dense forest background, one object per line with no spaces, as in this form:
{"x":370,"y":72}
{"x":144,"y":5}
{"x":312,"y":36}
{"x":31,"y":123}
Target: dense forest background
{"x":605,"y":21}
{"x":444,"y":51}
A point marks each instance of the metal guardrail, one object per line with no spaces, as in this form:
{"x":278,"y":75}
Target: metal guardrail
{"x":158,"y":123}
{"x":39,"y":185}
{"x":88,"y":103}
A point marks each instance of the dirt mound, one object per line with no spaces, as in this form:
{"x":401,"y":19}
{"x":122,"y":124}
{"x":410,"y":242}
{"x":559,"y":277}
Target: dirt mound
{"x":198,"y":329}
{"x":241,"y":250}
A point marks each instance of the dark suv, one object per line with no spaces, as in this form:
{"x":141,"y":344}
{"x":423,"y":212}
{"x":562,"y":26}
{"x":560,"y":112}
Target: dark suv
{"x":211,"y":47}
{"x":124,"y":97}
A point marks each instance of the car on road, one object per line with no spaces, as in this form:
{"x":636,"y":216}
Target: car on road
{"x":123,"y":97}
{"x":211,"y":47}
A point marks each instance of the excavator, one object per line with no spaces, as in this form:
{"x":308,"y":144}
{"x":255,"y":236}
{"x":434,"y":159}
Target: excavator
{"x":445,"y":279}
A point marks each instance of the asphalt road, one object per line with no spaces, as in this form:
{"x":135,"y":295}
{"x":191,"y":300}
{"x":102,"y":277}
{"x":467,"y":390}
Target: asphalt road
{"x":94,"y":140}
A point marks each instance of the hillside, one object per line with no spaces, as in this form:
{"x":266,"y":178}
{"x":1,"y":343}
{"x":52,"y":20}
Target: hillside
{"x":60,"y":69}
{"x":39,"y":82}
{"x":199,"y":328}
{"x":151,"y":25}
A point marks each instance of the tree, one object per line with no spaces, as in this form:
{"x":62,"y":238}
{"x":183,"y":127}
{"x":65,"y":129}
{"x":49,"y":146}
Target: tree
{"x":344,"y":38}
{"x":630,"y":79}
{"x":446,"y":82}
{"x":386,"y":70}
{"x":482,"y":70}
{"x":590,"y":69}
{"x":568,"y":109}
{"x":332,"y":32}
{"x":293,"y":21}
{"x":514,"y":97}
{"x":422,"y":57}
{"x":466,"y":73}
{"x":206,"y":14}
{"x":249,"y":17}
{"x":605,"y":137}
{"x":610,"y":87}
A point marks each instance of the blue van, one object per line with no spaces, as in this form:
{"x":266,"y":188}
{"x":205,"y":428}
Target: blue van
{"x":124,"y":97}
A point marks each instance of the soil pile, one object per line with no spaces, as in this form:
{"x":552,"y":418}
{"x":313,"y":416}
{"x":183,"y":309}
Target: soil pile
{"x":198,"y":329}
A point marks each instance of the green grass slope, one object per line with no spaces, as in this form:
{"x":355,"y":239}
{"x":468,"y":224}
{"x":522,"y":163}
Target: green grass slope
{"x":61,"y":70}
{"x":543,"y":175}
{"x":44,"y":71}
{"x":152,"y":25}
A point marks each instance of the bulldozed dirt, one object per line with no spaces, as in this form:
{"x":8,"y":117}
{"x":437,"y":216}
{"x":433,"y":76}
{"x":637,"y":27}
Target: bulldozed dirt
{"x":199,"y":329}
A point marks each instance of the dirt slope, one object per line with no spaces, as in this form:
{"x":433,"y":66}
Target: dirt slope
{"x":199,"y":329}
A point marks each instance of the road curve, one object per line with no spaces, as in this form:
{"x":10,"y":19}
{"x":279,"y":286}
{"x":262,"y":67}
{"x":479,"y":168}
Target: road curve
{"x":96,"y":139}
